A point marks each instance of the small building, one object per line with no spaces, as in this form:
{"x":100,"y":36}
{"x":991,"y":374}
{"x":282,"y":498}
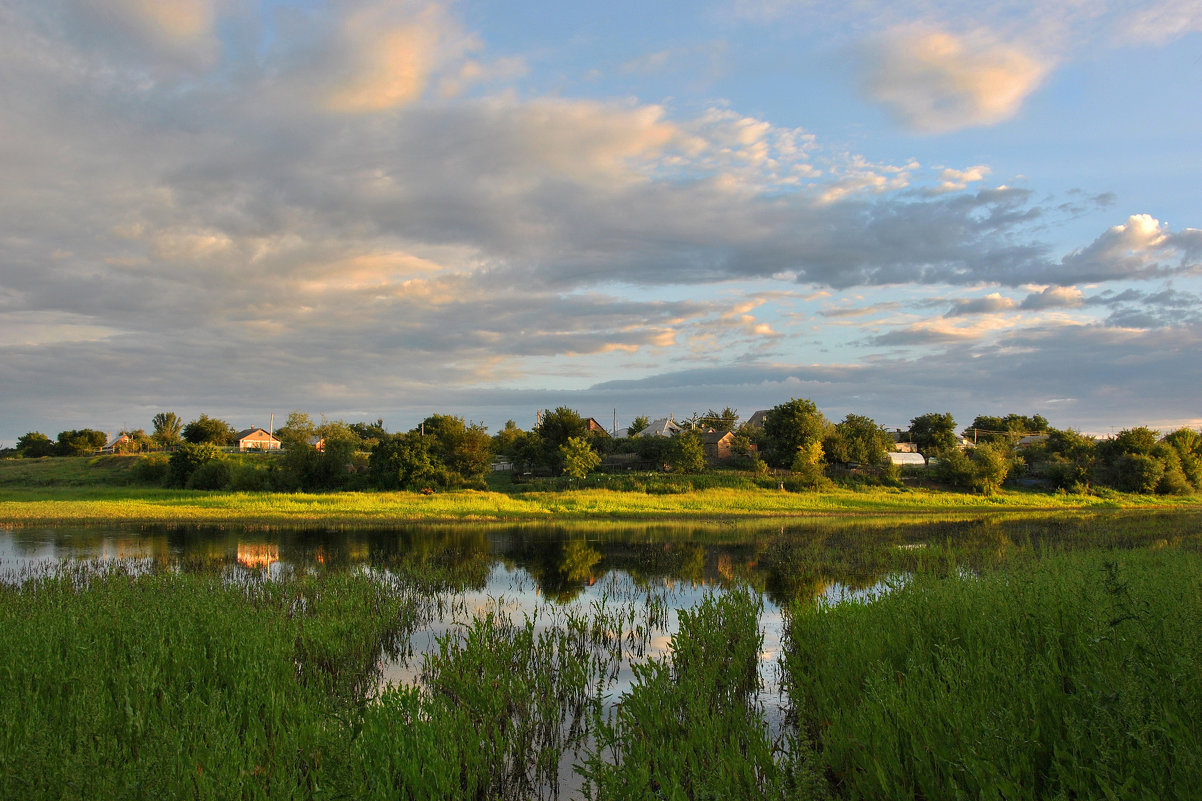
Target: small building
{"x":663,"y":427}
{"x":317,"y":443}
{"x":119,"y":443}
{"x":757,"y":419}
{"x":595,"y":428}
{"x":256,"y":439}
{"x":902,"y":459}
{"x":717,"y":445}
{"x":1030,"y":439}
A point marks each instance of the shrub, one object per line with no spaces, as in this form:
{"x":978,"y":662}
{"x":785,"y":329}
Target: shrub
{"x":212,"y":475}
{"x":186,"y":460}
{"x":150,"y":469}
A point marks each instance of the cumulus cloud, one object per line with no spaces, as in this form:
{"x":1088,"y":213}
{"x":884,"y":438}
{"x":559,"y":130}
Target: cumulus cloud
{"x":1142,"y":247}
{"x":934,"y":81}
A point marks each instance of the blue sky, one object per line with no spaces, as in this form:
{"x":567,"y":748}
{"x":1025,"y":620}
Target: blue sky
{"x":388,"y":209}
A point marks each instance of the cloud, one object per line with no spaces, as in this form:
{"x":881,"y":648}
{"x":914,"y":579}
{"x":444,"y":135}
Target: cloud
{"x":1140,"y":248}
{"x":953,"y":180}
{"x":1160,"y":22}
{"x":182,"y":31}
{"x":1053,"y":297}
{"x":934,"y":82}
{"x":383,"y":58}
{"x":990,"y":304}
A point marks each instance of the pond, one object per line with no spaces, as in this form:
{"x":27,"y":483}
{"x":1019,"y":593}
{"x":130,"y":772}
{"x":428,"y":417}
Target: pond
{"x":637,"y":578}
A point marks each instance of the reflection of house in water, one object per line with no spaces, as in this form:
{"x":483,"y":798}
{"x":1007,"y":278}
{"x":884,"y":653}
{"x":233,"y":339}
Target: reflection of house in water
{"x":258,"y":555}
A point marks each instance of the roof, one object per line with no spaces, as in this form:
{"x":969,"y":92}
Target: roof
{"x":663,"y":427}
{"x":714,"y":437}
{"x":907,"y":459}
{"x":757,"y":419}
{"x":247,"y":432}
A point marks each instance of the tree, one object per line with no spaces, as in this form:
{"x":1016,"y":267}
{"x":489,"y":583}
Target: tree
{"x":369,"y":433}
{"x":791,"y":428}
{"x":934,"y":433}
{"x":1066,"y":458}
{"x":80,"y":442}
{"x":210,"y":430}
{"x":579,"y":458}
{"x":857,"y":439}
{"x":298,"y":431}
{"x":167,"y":429}
{"x":725,"y":420}
{"x":638,"y":424}
{"x":556,"y":428}
{"x":686,"y":453}
{"x":35,"y":445}
{"x":401,"y":461}
{"x":1188,"y":445}
{"x":462,"y":448}
{"x":1009,"y":429}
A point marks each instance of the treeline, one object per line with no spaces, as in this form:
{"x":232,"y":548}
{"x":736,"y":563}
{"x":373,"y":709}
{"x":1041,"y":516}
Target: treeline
{"x":794,"y":440}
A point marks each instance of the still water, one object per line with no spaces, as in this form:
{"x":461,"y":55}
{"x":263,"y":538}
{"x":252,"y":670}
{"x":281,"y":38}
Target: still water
{"x":547,"y":574}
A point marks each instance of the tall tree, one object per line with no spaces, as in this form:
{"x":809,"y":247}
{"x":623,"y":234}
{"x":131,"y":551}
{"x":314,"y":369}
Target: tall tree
{"x":556,"y":428}
{"x":934,"y":433}
{"x":857,"y":439}
{"x":298,"y":431}
{"x":35,"y":445}
{"x":167,"y":429}
{"x":401,"y":461}
{"x":791,"y":428}
{"x":725,"y":420}
{"x":638,"y":424}
{"x":462,"y":448}
{"x":80,"y":442}
{"x":205,"y":429}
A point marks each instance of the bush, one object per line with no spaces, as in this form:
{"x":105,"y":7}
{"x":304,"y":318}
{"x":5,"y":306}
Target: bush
{"x":186,"y":460}
{"x":248,"y":477}
{"x":212,"y":475}
{"x":150,"y":469}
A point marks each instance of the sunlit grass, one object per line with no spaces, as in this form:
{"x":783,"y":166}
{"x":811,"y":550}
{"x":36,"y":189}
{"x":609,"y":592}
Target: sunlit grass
{"x":125,"y":504}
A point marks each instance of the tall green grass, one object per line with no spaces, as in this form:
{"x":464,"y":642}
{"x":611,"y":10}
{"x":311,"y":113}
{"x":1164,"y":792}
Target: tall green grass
{"x":181,"y":685}
{"x":1075,"y":676}
{"x":689,"y":728}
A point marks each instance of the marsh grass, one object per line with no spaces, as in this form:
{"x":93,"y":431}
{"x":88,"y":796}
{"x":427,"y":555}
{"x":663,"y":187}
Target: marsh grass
{"x":168,"y":685}
{"x":1071,"y":676}
{"x":689,"y":728}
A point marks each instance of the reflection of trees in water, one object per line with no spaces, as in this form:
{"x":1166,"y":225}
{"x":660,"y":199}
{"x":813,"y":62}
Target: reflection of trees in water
{"x":797,"y":560}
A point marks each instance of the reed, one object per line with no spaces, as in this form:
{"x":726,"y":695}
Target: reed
{"x":689,"y":728}
{"x":1069,"y":676}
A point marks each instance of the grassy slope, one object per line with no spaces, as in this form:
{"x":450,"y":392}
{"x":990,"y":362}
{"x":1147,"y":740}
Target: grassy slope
{"x":61,"y":490}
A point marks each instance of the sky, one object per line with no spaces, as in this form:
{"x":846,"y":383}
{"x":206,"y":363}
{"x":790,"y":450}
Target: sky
{"x":484,"y":208}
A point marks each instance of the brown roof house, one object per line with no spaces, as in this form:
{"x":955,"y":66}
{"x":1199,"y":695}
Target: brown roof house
{"x":256,"y":439}
{"x":717,"y":445}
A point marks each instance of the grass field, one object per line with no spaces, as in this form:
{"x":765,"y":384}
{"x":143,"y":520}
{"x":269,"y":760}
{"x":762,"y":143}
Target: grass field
{"x":1067,"y":675}
{"x":103,"y":489}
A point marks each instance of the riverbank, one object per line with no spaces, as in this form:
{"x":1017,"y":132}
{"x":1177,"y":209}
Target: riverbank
{"x":88,"y":505}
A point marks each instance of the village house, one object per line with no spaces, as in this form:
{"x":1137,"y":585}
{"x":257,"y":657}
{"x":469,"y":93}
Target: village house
{"x":256,"y":439}
{"x":717,"y":445}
